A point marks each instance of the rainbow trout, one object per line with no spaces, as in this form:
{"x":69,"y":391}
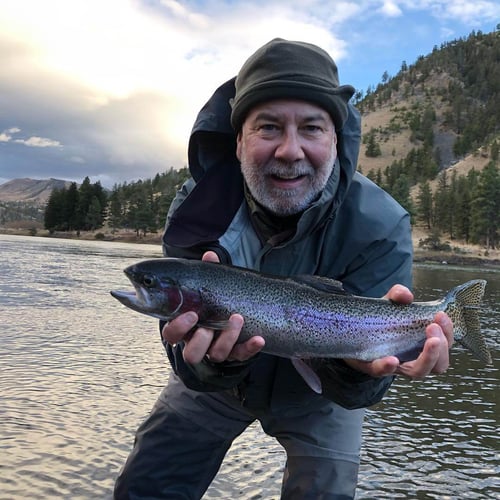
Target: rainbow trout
{"x":300,"y":317}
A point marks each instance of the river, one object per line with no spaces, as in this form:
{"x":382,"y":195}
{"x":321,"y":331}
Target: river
{"x":79,"y":372}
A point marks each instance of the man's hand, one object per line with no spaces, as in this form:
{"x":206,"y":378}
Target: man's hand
{"x":434,"y":357}
{"x":205,"y":342}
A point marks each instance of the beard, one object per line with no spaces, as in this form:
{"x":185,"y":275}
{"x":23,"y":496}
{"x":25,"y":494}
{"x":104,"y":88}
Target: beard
{"x":268,"y":183}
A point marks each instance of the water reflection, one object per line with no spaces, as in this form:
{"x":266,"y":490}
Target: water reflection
{"x":78,"y":373}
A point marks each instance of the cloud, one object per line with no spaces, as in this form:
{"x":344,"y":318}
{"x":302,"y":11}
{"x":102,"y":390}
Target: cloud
{"x":33,"y":141}
{"x":39,"y":142}
{"x":118,"y":84}
{"x":111,"y":88}
{"x":390,"y":9}
{"x":463,"y":11}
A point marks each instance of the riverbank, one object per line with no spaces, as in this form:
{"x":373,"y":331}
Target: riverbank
{"x":461,"y":254}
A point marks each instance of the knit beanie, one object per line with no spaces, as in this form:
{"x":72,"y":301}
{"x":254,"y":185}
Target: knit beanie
{"x":283,"y":69}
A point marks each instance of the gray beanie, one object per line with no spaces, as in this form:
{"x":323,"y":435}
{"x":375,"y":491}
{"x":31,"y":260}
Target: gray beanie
{"x":283,"y":69}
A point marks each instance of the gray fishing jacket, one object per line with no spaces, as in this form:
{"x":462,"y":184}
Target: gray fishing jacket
{"x":355,"y":232}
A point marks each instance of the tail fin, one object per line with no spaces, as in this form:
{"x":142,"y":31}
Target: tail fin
{"x":465,"y":316}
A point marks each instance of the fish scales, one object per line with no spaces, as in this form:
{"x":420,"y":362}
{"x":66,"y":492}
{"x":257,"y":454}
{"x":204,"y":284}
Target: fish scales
{"x":323,"y":324}
{"x":299,"y":317}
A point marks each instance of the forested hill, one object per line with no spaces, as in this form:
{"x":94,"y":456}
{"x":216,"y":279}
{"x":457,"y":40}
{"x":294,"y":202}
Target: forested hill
{"x":431,"y":137}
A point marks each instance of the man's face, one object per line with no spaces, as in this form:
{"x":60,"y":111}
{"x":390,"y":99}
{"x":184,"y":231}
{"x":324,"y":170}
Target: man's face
{"x":287,"y":149}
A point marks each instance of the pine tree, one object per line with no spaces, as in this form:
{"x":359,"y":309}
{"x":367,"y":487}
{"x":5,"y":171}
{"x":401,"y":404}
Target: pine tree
{"x":424,"y":206}
{"x":372,"y":147}
{"x":53,"y":216}
{"x":486,"y":207}
{"x":441,"y":206}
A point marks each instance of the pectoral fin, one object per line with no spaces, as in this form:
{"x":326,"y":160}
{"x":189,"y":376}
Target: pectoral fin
{"x":214,"y":324}
{"x":308,"y":374}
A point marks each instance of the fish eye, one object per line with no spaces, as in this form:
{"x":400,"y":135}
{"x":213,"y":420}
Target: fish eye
{"x":148,"y":281}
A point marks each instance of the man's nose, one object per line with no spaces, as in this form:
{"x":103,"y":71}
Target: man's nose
{"x":290,"y":147}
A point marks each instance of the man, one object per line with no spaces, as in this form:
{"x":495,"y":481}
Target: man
{"x":282,"y":197}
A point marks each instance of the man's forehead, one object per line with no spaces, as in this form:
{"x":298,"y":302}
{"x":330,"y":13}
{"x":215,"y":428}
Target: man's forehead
{"x":288,"y":108}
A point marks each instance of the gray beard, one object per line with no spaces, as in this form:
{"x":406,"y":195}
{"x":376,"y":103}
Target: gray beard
{"x":285,"y":202}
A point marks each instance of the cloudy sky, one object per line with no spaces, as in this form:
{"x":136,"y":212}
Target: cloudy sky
{"x":110,"y":88}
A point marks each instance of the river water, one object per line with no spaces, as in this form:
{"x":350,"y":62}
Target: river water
{"x":79,"y":372}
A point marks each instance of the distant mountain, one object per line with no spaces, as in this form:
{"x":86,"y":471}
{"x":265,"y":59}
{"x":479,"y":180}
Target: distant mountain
{"x":30,"y":190}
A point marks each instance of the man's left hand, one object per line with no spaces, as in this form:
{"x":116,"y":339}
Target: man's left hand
{"x":434,"y":357}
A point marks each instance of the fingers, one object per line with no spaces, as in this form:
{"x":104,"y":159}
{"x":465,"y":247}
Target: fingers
{"x":210,"y":257}
{"x":178,"y":328}
{"x":434,"y":357}
{"x":443,"y":320}
{"x":248,"y":349}
{"x":382,"y":367}
{"x":399,"y":294}
{"x":219,"y":347}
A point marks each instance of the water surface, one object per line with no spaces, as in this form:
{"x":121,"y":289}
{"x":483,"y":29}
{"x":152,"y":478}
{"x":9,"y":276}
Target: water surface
{"x":79,"y":372}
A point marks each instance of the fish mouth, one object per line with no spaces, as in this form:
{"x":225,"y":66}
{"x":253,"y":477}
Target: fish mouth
{"x":127,"y":298}
{"x":137,"y":301}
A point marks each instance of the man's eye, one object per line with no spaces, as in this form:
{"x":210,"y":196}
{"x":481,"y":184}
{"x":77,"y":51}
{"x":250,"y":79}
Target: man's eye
{"x":312,"y":128}
{"x":268,"y":127}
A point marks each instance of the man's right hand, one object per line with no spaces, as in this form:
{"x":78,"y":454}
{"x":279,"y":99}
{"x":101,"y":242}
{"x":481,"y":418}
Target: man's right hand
{"x":205,"y":342}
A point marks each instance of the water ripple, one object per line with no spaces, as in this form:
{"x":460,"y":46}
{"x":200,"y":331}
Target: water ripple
{"x":78,"y":373}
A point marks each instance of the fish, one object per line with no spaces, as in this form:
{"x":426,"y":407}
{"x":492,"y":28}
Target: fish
{"x":300,"y":317}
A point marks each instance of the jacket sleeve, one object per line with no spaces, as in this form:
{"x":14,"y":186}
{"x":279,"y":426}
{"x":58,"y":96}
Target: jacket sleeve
{"x":348,"y":387}
{"x":386,"y":263}
{"x":205,"y":376}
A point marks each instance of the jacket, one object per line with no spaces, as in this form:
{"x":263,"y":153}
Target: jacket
{"x":355,"y":233}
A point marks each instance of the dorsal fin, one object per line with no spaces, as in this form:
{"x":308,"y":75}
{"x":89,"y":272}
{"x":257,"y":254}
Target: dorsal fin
{"x":320,"y":283}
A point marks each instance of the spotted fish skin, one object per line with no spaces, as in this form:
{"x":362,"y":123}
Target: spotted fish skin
{"x":300,"y":317}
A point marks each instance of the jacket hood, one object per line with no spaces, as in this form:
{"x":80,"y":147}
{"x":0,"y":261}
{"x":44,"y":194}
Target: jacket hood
{"x":213,"y":139}
{"x":216,"y":169}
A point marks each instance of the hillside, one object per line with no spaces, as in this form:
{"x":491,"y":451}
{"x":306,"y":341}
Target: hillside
{"x":430,"y":137}
{"x":446,"y":102}
{"x":30,"y":190}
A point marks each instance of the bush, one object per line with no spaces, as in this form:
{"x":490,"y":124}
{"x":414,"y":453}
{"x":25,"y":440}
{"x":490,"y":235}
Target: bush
{"x":433,"y":242}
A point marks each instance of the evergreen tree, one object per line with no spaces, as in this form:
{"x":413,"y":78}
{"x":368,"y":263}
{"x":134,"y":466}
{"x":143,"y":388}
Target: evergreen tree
{"x":486,"y":207}
{"x":71,"y":207}
{"x":116,"y":209}
{"x":441,"y":205}
{"x":53,"y":216}
{"x":401,"y":193}
{"x":85,"y":199}
{"x":424,"y":205}
{"x":93,"y":218}
{"x":372,"y":147}
{"x":462,"y":210}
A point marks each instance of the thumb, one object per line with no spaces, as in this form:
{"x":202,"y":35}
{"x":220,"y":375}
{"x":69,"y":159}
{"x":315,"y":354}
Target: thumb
{"x":210,"y":257}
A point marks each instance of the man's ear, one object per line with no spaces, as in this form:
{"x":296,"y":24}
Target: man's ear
{"x":238,"y":146}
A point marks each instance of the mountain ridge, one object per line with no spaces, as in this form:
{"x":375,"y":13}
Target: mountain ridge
{"x":36,"y":191}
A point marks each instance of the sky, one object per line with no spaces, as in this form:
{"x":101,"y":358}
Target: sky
{"x":109,"y":89}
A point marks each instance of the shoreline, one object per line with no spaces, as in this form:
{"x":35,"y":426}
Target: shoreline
{"x":462,"y":255}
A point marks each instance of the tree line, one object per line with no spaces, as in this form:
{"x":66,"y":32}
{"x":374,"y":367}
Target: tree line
{"x":140,"y":206}
{"x":465,"y":207}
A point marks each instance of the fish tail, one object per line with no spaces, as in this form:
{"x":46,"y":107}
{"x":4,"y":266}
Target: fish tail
{"x":464,"y":303}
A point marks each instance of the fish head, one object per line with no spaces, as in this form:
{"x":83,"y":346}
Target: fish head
{"x":154,"y":294}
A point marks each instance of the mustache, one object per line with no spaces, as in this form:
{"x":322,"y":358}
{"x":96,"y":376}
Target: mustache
{"x":288,"y":170}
